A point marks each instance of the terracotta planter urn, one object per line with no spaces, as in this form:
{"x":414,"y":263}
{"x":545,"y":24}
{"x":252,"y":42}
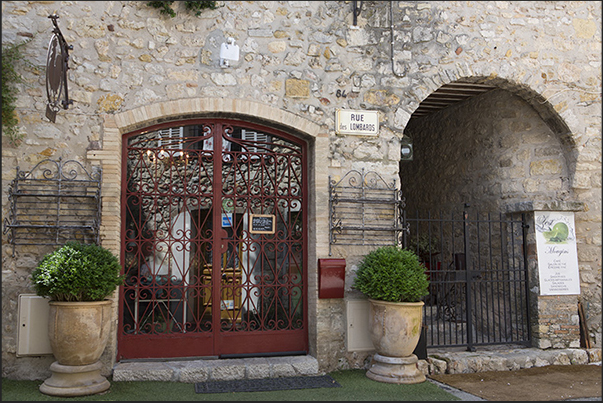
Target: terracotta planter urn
{"x":78,"y":333}
{"x":395,"y":329}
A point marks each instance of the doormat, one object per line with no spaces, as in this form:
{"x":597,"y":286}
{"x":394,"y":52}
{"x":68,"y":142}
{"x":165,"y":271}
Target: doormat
{"x":267,"y":384}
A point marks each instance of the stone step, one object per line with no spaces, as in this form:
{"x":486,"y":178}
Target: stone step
{"x":200,"y":370}
{"x":503,"y":358}
{"x":439,"y":361}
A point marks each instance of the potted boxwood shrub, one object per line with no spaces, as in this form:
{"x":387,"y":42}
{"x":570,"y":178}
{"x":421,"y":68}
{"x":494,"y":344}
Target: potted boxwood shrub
{"x":77,"y":278}
{"x":395,"y":282}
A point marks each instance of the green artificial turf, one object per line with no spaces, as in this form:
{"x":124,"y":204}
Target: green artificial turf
{"x":355,"y":386}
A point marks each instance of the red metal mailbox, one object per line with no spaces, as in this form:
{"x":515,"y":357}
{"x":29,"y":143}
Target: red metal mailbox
{"x":331,"y":278}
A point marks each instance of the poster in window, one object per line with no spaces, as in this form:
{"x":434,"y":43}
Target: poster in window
{"x":557,"y":253}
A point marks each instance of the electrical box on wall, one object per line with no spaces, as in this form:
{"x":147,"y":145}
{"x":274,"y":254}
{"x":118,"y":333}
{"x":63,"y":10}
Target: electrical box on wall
{"x":32,"y":333}
{"x":358,"y":337}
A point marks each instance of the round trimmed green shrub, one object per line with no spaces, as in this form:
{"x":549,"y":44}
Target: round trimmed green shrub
{"x":393,"y":274}
{"x":77,"y":272}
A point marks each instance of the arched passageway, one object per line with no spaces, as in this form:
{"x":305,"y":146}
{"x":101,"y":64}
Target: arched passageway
{"x":473,"y":163}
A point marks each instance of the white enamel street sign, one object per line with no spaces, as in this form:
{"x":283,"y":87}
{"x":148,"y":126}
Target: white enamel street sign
{"x":360,"y":123}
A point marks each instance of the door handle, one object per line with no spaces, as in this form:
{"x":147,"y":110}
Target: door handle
{"x":223,"y":240}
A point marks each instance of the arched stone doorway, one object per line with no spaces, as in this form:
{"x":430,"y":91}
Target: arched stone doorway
{"x":110,"y":157}
{"x":491,"y":151}
{"x":505,"y":152}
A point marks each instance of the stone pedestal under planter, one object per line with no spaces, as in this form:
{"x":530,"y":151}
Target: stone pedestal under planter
{"x":75,"y":380}
{"x":395,"y":369}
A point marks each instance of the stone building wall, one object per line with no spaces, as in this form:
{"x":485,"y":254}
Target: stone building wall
{"x":497,"y":151}
{"x":132,"y":67}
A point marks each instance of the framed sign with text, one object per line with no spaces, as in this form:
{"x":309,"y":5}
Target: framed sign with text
{"x":359,"y":123}
{"x":557,"y":253}
{"x":262,"y":223}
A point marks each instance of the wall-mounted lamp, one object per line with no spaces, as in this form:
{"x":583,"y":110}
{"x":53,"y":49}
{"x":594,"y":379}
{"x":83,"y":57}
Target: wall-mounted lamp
{"x":406,"y":150}
{"x":228,"y":51}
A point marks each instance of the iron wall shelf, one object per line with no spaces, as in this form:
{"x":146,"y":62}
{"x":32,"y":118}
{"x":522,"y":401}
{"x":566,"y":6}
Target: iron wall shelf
{"x":364,"y":210}
{"x":55,"y":202}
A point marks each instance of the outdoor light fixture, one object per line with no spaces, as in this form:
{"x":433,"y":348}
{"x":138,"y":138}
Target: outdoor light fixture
{"x":406,"y":150}
{"x":228,"y":51}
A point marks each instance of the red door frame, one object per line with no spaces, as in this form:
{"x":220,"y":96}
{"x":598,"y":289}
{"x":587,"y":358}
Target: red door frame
{"x":216,"y":342}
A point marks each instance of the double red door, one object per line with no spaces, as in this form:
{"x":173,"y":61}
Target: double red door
{"x":213,"y":241}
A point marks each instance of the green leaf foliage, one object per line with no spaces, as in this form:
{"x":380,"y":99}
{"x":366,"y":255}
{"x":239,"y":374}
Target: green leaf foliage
{"x":392,"y":274}
{"x":198,"y":6}
{"x":165,"y":7}
{"x":77,"y":272}
{"x":12,"y":62}
{"x":424,"y":245}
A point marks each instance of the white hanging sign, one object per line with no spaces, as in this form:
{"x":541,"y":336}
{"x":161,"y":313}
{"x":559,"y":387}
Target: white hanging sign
{"x":361,"y":123}
{"x":557,"y":253}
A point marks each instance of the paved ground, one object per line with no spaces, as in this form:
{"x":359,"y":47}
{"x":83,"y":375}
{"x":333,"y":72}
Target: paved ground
{"x":457,"y":371}
{"x":548,"y":383}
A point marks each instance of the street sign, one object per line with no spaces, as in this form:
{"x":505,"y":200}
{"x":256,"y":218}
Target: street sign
{"x":360,"y":123}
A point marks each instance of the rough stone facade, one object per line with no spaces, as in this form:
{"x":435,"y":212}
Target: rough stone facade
{"x":532,"y":144}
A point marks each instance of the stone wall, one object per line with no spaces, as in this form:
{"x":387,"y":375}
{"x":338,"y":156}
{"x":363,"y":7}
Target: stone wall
{"x":132,"y":67}
{"x":490,"y":152}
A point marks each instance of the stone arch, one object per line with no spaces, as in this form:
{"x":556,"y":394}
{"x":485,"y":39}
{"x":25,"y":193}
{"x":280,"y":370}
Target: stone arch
{"x":200,"y":107}
{"x":564,"y":124}
{"x":110,"y":158}
{"x":567,"y":114}
{"x":548,"y":168}
{"x":531,"y":89}
{"x":115,"y":125}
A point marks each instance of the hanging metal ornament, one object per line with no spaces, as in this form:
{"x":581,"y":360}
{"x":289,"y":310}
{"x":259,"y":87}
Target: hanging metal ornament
{"x":57,"y":65}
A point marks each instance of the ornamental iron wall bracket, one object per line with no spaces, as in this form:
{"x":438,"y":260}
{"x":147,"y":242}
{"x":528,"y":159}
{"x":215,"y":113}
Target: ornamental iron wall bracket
{"x":57,"y":64}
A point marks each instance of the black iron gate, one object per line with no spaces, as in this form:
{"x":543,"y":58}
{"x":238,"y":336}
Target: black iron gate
{"x":477,"y":269}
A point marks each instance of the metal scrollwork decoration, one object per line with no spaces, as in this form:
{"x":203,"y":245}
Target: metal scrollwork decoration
{"x":57,"y":64}
{"x":365,"y":210}
{"x":54,"y":202}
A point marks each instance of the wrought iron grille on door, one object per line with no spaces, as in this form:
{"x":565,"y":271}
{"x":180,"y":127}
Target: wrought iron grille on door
{"x":214,"y":241}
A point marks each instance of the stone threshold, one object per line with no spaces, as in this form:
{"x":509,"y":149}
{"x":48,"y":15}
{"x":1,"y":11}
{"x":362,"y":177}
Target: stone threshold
{"x":200,"y":370}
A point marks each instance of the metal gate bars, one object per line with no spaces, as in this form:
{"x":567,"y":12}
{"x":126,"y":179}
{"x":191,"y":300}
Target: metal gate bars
{"x":477,"y":269}
{"x":214,"y":241}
